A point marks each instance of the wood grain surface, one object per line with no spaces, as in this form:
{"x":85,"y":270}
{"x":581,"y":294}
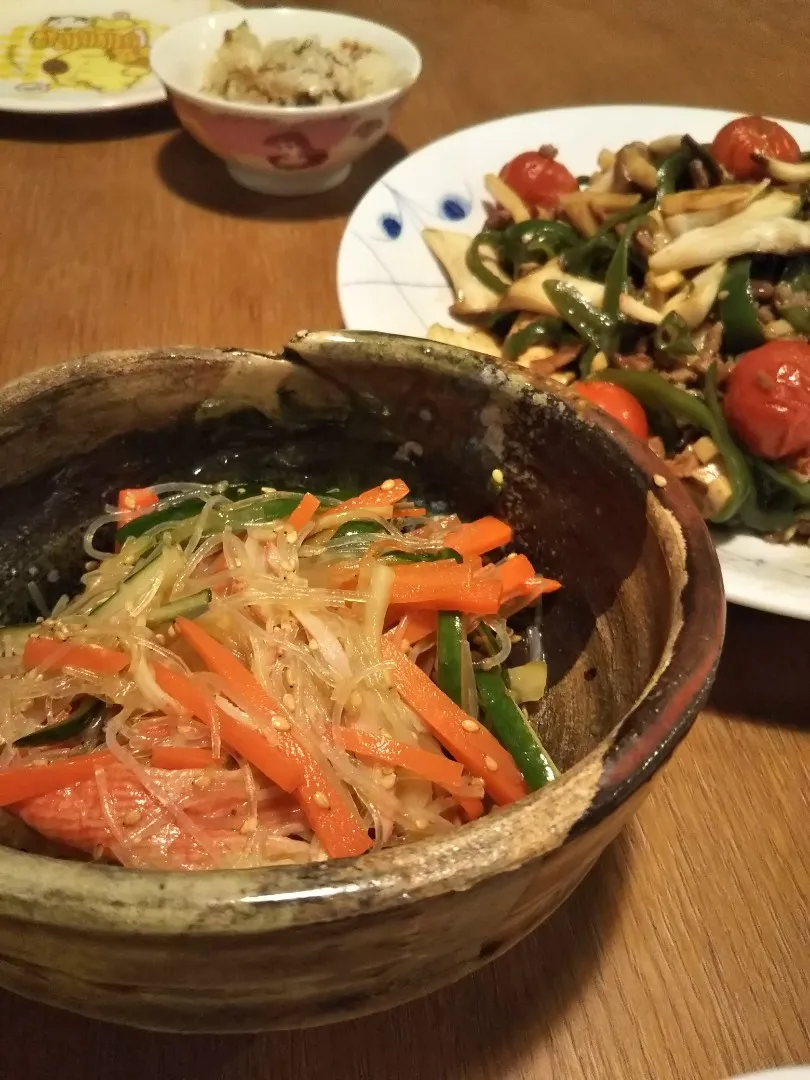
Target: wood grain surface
{"x":686,"y":954}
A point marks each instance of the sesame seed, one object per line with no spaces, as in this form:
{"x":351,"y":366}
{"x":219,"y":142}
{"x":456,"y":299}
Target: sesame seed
{"x":659,"y":480}
{"x":172,"y":632}
{"x":356,"y":699}
{"x":497,"y":476}
{"x":280,"y":724}
{"x":268,"y":490}
{"x":291,"y":535}
{"x":314,"y":646}
{"x":388,"y":781}
{"x":288,"y":701}
{"x":91,"y":564}
{"x":421,"y":824}
{"x":490,"y":763}
{"x":129,"y":502}
{"x":40,"y":619}
{"x":160,"y":639}
{"x":386,"y":485}
{"x":469,"y":725}
{"x":321,"y":800}
{"x":32,"y":571}
{"x":286,"y":675}
{"x":132,"y":817}
{"x":53,"y":576}
{"x":237,"y":563}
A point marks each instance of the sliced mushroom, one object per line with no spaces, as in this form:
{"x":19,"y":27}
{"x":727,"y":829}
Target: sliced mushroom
{"x":507,"y":198}
{"x":578,"y":210}
{"x":686,"y":202}
{"x":475,"y":340}
{"x":603,"y":181}
{"x":788,"y":172}
{"x":611,"y":201}
{"x":666,"y":145}
{"x":695,"y":300}
{"x":736,"y":236}
{"x":528,"y":294}
{"x":638,"y":311}
{"x":472,"y":297}
{"x":634,"y":167}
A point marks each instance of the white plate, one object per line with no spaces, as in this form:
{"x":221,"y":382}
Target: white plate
{"x":75,"y":56}
{"x":388,"y":280}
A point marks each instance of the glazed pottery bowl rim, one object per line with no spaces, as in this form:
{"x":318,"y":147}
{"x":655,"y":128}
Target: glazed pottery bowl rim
{"x":181,"y":37}
{"x":54,"y":892}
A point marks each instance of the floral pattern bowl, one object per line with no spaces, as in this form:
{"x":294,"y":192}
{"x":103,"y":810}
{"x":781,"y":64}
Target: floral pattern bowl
{"x":280,"y":150}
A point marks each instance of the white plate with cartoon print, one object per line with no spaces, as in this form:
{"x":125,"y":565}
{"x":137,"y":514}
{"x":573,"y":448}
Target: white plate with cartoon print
{"x":58,"y":56}
{"x":389,"y":281}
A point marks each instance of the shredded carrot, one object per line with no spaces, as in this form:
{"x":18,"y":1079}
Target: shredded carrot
{"x":323,"y":799}
{"x":183,"y":757}
{"x":429,"y":766}
{"x":416,"y":624}
{"x":411,"y":512}
{"x":53,"y":655}
{"x":479,"y":537}
{"x":134,"y":502}
{"x":479,"y":751}
{"x":471,"y":808}
{"x":445,"y":586}
{"x":22,"y":782}
{"x":304,"y":512}
{"x":269,"y":759}
{"x":387,"y":494}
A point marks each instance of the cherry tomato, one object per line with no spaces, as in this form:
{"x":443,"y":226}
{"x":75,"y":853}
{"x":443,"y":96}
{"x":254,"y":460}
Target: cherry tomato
{"x":735,"y":143}
{"x":538,"y":179}
{"x":618,"y":403}
{"x":767,"y":400}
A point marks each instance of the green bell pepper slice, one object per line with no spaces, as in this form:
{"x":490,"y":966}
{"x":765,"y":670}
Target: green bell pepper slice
{"x":742,"y":329}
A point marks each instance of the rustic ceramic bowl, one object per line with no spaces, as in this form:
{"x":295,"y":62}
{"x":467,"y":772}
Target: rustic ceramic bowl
{"x":280,"y":150}
{"x":633,"y":640}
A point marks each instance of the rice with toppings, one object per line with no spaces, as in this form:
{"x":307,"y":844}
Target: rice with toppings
{"x":298,"y":71}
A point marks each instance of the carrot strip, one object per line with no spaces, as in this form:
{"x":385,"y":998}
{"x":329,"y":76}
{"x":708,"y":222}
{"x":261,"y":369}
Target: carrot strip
{"x":21,"y":782}
{"x":270,"y":760}
{"x":134,"y":502}
{"x":417,"y":625}
{"x":471,"y":808}
{"x":429,"y":766}
{"x":411,"y":512}
{"x":479,"y":537}
{"x":514,"y":572}
{"x":304,"y":512}
{"x":388,"y":493}
{"x":479,"y":751}
{"x":322,"y":797}
{"x":53,"y":655}
{"x":445,"y":586}
{"x":183,"y":757}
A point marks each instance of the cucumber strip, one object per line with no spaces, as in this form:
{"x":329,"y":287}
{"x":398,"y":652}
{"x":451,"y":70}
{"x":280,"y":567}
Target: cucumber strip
{"x":190,"y":606}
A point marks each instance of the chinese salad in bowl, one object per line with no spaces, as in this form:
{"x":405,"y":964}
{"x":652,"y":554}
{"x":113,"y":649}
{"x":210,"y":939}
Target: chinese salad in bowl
{"x":671,"y":287}
{"x":258,"y":676}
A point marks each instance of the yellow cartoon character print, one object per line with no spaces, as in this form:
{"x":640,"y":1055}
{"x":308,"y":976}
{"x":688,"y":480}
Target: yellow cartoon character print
{"x":77,"y":52}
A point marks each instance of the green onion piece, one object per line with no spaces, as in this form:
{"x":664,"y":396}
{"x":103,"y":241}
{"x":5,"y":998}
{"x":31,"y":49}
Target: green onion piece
{"x":449,"y":639}
{"x":742,"y":329}
{"x":513,"y":730}
{"x":475,"y":264}
{"x":655,"y":392}
{"x":671,"y":171}
{"x":544,"y":330}
{"x":672,"y":337}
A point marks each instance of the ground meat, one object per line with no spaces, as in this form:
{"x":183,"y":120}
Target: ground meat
{"x":762,"y":290}
{"x":634,"y":362}
{"x":789,"y":297}
{"x":800,"y":466}
{"x":685,"y":464}
{"x":497,"y":217}
{"x":765,"y":314}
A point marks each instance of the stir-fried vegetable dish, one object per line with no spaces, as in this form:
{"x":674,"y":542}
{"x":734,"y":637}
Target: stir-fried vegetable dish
{"x":672,"y":288}
{"x":255,"y":676}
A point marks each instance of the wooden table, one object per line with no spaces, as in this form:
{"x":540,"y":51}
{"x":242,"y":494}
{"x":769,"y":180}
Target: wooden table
{"x":687,"y":951}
